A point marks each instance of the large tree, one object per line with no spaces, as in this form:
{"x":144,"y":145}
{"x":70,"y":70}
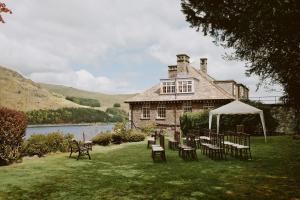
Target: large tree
{"x":264,"y":33}
{"x":3,"y":9}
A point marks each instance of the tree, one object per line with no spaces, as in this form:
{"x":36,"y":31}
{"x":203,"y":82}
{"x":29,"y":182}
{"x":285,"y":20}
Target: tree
{"x":264,"y":34}
{"x":4,"y":9}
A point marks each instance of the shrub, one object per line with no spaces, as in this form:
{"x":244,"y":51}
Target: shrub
{"x":41,"y":144}
{"x":193,"y":120}
{"x":84,"y":101}
{"x":12,"y":129}
{"x":120,"y":133}
{"x":117,"y":114}
{"x":148,"y":129}
{"x":117,"y":105}
{"x":136,"y":136}
{"x":103,"y":138}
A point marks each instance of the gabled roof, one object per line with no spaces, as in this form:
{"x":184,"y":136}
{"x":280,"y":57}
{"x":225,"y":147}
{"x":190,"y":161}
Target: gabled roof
{"x":205,"y":89}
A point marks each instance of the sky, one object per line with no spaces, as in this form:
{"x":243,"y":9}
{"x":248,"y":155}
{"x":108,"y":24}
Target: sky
{"x":110,"y":46}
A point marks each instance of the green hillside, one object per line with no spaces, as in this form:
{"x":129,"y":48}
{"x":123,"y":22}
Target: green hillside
{"x":106,"y":100}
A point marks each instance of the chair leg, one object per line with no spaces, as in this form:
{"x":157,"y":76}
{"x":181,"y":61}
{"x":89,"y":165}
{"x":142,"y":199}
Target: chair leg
{"x":70,"y":154}
{"x":89,"y":155}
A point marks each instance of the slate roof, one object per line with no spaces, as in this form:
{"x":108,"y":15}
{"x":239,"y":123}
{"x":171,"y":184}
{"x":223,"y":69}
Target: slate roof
{"x":205,"y":89}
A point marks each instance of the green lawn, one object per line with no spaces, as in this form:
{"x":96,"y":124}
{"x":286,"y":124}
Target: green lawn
{"x":127,"y":172}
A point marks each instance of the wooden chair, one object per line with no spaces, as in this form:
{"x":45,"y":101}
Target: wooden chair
{"x":152,"y":140}
{"x":215,"y":148}
{"x":159,"y":149}
{"x":188,"y":152}
{"x":174,"y":142}
{"x":81,"y":149}
{"x":87,"y":143}
{"x":243,"y":149}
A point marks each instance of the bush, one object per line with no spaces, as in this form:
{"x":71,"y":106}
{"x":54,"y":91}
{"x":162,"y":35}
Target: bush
{"x":84,"y":101}
{"x":41,"y":144}
{"x":117,"y":105}
{"x":193,"y":120}
{"x":148,"y":129}
{"x":136,"y":136}
{"x":103,"y":138}
{"x":120,"y":133}
{"x":12,"y":129}
{"x":117,"y":114}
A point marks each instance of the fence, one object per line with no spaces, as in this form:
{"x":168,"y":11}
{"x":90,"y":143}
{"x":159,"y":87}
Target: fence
{"x":268,"y":99}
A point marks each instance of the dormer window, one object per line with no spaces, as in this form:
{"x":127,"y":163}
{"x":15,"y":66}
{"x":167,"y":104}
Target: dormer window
{"x":168,"y":87}
{"x":185,"y":86}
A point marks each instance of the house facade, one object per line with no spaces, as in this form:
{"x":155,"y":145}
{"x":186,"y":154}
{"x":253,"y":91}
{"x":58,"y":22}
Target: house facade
{"x":186,"y":89}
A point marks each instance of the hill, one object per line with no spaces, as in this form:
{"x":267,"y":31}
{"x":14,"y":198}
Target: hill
{"x":106,"y":100}
{"x":23,"y":94}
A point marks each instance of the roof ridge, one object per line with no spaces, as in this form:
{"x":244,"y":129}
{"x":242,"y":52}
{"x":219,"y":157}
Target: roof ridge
{"x":212,"y":83}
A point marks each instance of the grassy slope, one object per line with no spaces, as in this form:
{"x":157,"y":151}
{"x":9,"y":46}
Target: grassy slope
{"x":127,"y":172}
{"x":23,"y":94}
{"x":106,"y":100}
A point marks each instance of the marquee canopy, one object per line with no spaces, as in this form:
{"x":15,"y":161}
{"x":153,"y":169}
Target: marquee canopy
{"x":237,"y":108}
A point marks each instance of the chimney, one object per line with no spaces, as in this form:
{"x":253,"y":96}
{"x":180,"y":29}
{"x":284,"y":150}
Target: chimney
{"x":203,"y":65}
{"x":172,"y":71}
{"x":182,"y":63}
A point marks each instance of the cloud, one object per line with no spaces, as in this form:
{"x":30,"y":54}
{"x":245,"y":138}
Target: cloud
{"x":106,"y":46}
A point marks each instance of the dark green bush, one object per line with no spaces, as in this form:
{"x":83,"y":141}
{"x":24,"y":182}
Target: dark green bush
{"x":84,"y":101}
{"x":117,"y":105}
{"x":103,"y":139}
{"x":117,"y":114}
{"x":12,"y":129}
{"x":41,"y":144}
{"x":193,"y":120}
{"x":136,"y":136}
{"x":67,"y":115}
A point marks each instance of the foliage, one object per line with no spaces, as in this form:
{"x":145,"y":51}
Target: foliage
{"x":148,"y":129}
{"x":84,"y":101}
{"x":193,"y":120}
{"x":265,"y":34}
{"x":136,"y":135}
{"x":12,"y":129}
{"x":117,"y":114}
{"x":67,"y":115}
{"x":120,"y":133}
{"x":41,"y":144}
{"x":103,"y":138}
{"x":117,"y":105}
{"x":4,"y":9}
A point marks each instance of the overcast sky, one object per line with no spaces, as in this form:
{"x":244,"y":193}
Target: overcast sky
{"x":111,"y":46}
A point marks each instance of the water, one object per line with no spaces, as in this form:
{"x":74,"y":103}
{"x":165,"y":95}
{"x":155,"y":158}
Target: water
{"x":77,"y":130}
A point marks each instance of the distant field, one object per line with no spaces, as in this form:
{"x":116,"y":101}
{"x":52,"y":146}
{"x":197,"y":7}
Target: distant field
{"x":106,"y":100}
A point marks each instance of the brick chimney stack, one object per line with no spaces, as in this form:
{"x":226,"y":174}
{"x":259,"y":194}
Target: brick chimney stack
{"x":203,"y":65}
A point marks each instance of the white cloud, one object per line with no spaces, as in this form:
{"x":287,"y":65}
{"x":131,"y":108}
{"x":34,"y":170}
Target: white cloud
{"x":71,"y":42}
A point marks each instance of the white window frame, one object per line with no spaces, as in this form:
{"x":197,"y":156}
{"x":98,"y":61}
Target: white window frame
{"x":185,"y":86}
{"x":145,"y":114}
{"x":168,"y":87}
{"x":187,"y":106}
{"x":161,"y":111}
{"x":208,"y":105}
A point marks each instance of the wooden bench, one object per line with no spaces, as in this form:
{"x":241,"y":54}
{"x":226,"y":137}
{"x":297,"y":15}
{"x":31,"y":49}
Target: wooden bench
{"x":159,"y":150}
{"x":80,"y":148}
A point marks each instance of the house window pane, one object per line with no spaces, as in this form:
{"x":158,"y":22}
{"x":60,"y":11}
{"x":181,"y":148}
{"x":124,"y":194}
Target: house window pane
{"x":146,"y":112}
{"x":168,"y":87}
{"x":161,"y":112}
{"x":187,"y":106}
{"x":185,"y":86}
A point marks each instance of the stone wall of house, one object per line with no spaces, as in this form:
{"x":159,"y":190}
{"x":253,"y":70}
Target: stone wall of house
{"x":170,"y":113}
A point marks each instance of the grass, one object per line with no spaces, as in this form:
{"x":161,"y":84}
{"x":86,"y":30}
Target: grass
{"x":126,"y":171}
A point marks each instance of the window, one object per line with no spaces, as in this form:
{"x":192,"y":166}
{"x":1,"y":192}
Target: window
{"x":185,"y":86}
{"x":187,"y":106}
{"x":146,"y":111}
{"x":161,"y":111}
{"x":208,"y":105}
{"x":168,"y":87}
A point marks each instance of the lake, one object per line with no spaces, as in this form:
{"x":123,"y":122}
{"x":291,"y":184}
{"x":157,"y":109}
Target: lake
{"x":89,"y":130}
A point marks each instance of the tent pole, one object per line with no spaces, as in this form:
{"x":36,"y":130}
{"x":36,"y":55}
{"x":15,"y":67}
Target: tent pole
{"x":218,"y":123}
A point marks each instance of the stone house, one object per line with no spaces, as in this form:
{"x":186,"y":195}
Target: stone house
{"x":186,"y":89}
